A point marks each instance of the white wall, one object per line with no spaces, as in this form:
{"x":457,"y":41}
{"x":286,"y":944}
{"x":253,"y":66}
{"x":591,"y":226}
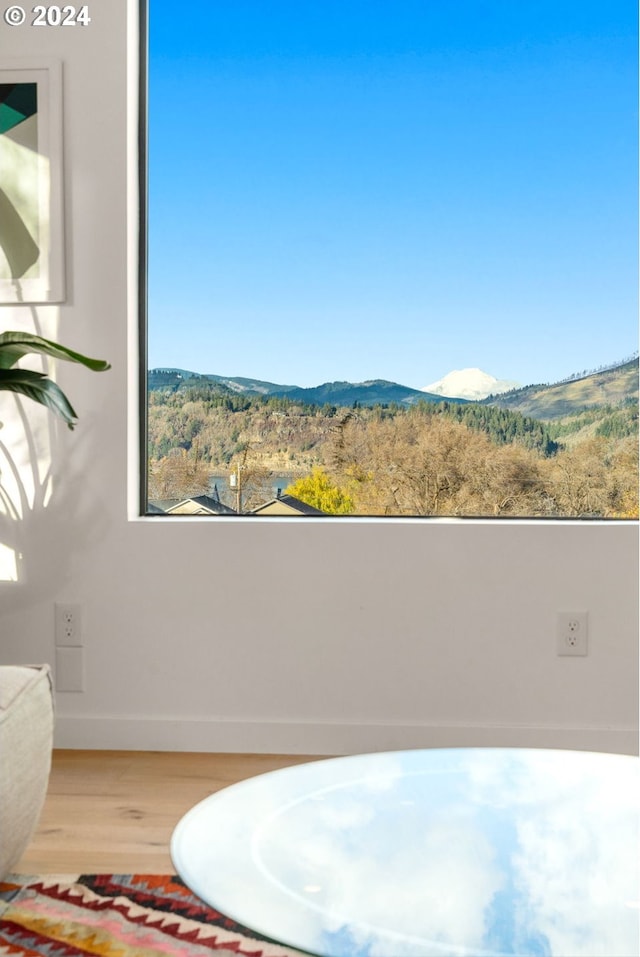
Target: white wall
{"x":274,"y":636}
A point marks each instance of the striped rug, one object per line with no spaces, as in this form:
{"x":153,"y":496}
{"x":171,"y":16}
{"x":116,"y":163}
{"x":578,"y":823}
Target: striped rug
{"x":118,"y":915}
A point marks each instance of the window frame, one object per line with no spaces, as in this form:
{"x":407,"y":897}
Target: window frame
{"x":142,"y":334}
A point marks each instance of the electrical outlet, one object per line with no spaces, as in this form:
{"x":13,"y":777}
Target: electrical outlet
{"x":68,"y":625}
{"x":572,"y":633}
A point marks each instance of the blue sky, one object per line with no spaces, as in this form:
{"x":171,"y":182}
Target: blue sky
{"x":359,"y":189}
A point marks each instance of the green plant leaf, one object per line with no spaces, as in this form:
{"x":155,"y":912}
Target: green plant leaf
{"x":14,"y":345}
{"x":36,"y":386}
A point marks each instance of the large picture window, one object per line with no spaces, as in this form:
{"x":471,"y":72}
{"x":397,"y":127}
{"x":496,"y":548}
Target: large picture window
{"x":391,"y":259}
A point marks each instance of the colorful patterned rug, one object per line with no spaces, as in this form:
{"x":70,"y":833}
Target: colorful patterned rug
{"x":118,"y":915}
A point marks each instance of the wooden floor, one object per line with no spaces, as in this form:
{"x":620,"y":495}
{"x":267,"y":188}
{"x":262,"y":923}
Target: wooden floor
{"x":115,"y":811}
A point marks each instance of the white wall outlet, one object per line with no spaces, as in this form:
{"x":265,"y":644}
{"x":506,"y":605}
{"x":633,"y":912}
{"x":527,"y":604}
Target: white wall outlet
{"x":70,"y":669}
{"x":572,"y":632}
{"x":68,"y":625}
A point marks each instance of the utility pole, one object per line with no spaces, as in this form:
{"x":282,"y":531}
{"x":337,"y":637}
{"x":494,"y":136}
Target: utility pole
{"x":235,"y":482}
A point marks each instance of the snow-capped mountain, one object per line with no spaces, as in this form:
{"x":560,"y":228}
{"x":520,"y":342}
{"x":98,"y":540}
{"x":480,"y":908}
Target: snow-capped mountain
{"x":471,"y":384}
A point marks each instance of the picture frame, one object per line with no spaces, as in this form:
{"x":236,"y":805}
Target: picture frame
{"x":31,"y":182}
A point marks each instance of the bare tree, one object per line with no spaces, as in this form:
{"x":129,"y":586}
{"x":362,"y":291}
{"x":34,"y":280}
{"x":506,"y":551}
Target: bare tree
{"x":180,"y":474}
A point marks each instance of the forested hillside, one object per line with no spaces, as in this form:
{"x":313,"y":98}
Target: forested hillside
{"x":579,"y":392}
{"x":431,"y":458}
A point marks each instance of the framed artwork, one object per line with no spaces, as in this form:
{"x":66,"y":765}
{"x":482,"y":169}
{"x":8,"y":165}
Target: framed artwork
{"x":31,"y":226}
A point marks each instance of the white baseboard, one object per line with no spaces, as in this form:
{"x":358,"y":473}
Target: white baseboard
{"x":129,"y":733}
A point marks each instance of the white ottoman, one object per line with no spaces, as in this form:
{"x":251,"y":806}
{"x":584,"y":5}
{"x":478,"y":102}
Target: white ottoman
{"x":26,"y":740}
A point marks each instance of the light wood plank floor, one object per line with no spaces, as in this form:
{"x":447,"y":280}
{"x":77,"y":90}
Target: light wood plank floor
{"x":115,"y":811}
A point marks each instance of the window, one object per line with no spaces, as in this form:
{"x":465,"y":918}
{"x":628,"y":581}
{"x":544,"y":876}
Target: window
{"x":391,"y":259}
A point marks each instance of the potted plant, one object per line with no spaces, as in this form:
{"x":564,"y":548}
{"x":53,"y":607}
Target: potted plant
{"x":26,"y":708}
{"x":37,"y":385}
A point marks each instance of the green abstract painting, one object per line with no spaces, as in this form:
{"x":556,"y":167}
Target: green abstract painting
{"x":30,"y":186}
{"x":19,"y":193}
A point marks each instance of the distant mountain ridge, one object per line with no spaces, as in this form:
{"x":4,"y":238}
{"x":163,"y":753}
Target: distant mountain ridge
{"x":609,"y":386}
{"x":370,"y":392}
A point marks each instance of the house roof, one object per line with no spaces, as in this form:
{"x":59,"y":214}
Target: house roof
{"x":206,"y":505}
{"x":156,"y":508}
{"x":287,"y":503}
{"x":200,"y":505}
